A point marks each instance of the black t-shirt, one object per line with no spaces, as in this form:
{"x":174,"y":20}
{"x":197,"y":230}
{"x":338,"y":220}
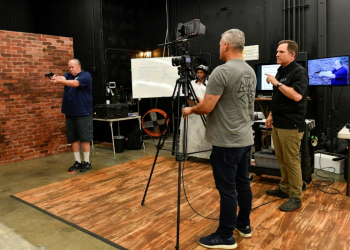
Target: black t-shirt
{"x":287,"y":113}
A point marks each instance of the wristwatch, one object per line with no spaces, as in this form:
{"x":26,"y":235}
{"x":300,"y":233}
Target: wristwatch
{"x":279,"y":84}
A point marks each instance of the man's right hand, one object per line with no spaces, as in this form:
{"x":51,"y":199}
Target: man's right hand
{"x":187,"y":111}
{"x":268,"y":122}
{"x":56,"y":79}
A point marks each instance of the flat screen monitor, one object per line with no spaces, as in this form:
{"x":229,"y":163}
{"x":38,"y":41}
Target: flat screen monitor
{"x":329,"y":71}
{"x":261,"y":70}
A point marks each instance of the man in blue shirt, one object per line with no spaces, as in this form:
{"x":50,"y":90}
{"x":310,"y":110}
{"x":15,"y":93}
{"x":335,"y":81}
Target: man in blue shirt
{"x":339,"y":75}
{"x":77,"y":107}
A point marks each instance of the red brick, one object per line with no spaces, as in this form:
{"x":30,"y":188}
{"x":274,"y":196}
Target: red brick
{"x":26,"y":97}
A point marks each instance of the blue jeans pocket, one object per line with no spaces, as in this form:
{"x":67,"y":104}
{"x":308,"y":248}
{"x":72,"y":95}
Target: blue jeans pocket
{"x":232,"y":160}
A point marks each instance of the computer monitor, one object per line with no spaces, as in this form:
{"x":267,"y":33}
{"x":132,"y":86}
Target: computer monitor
{"x":329,"y":71}
{"x":261,"y":70}
{"x":262,"y":87}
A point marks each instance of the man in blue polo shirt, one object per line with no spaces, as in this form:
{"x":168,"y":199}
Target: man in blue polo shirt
{"x":339,"y":75}
{"x":77,"y":107}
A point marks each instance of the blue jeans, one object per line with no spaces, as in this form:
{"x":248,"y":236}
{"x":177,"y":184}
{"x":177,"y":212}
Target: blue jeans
{"x":230,"y":169}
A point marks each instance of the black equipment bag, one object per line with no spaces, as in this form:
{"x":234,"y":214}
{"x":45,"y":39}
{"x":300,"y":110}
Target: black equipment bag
{"x":111,"y":111}
{"x":134,"y":139}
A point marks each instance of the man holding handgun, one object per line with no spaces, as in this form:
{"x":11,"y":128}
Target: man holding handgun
{"x":77,"y":107}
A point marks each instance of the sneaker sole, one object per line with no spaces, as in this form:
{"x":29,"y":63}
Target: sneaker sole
{"x":220,"y":246}
{"x":72,"y":170}
{"x":243,"y":234}
{"x":280,"y":196}
{"x":85,"y":170}
{"x":288,"y":210}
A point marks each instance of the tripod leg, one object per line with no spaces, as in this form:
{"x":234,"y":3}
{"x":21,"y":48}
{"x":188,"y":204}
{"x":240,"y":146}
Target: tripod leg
{"x":159,"y":146}
{"x":150,"y":176}
{"x":180,"y":158}
{"x":178,"y":208}
{"x":179,"y":171}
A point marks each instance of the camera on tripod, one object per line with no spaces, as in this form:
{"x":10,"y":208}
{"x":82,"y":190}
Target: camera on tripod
{"x":184,"y":31}
{"x":189,"y":29}
{"x":184,"y":61}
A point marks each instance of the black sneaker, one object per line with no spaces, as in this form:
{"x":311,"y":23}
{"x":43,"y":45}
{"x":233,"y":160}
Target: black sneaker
{"x":277,"y":193}
{"x":86,"y":167}
{"x":215,"y":241}
{"x":245,"y":232}
{"x":290,"y":205}
{"x":76,"y":166}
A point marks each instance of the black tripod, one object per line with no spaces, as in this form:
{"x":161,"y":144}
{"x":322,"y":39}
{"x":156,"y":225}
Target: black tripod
{"x":182,"y":83}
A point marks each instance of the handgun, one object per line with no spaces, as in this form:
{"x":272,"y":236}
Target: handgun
{"x":49,"y":75}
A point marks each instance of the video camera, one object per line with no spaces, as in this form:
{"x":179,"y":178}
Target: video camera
{"x":184,"y":61}
{"x":49,"y":75}
{"x":184,"y":31}
{"x":189,"y":29}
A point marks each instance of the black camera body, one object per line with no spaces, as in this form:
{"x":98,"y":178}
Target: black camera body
{"x":184,"y":64}
{"x":189,"y":29}
{"x":49,"y":75}
{"x":184,"y":61}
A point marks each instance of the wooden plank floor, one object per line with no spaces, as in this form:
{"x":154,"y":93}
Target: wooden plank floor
{"x":106,"y":203}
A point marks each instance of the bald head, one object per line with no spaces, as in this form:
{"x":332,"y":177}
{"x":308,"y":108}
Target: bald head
{"x":337,"y":64}
{"x":74,"y":67}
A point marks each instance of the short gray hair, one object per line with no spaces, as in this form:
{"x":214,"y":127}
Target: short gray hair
{"x":235,"y":38}
{"x":77,"y":62}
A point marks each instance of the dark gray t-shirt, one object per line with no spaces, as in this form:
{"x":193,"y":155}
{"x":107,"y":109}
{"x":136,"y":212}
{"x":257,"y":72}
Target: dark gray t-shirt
{"x":229,"y":124}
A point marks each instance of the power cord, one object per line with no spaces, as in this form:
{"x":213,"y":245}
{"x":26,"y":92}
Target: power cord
{"x":322,"y":185}
{"x":188,"y":202}
{"x":267,"y":203}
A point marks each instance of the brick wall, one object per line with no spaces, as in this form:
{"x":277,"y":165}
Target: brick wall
{"x":31,"y":123}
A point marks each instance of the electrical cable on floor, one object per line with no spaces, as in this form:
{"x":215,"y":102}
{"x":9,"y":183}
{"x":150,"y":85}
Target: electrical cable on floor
{"x":267,"y":203}
{"x":183,"y":181}
{"x":188,"y":202}
{"x":324,"y":185}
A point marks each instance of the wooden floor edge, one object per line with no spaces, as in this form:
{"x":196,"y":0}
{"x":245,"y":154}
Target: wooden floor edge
{"x":71,"y":224}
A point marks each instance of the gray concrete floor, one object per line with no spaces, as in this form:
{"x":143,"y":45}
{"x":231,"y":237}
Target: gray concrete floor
{"x":23,"y":227}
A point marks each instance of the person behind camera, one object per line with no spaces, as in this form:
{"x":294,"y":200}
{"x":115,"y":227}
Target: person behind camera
{"x":288,"y":111}
{"x":229,"y":105}
{"x":338,"y":76}
{"x":77,"y":107}
{"x":195,"y":126}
